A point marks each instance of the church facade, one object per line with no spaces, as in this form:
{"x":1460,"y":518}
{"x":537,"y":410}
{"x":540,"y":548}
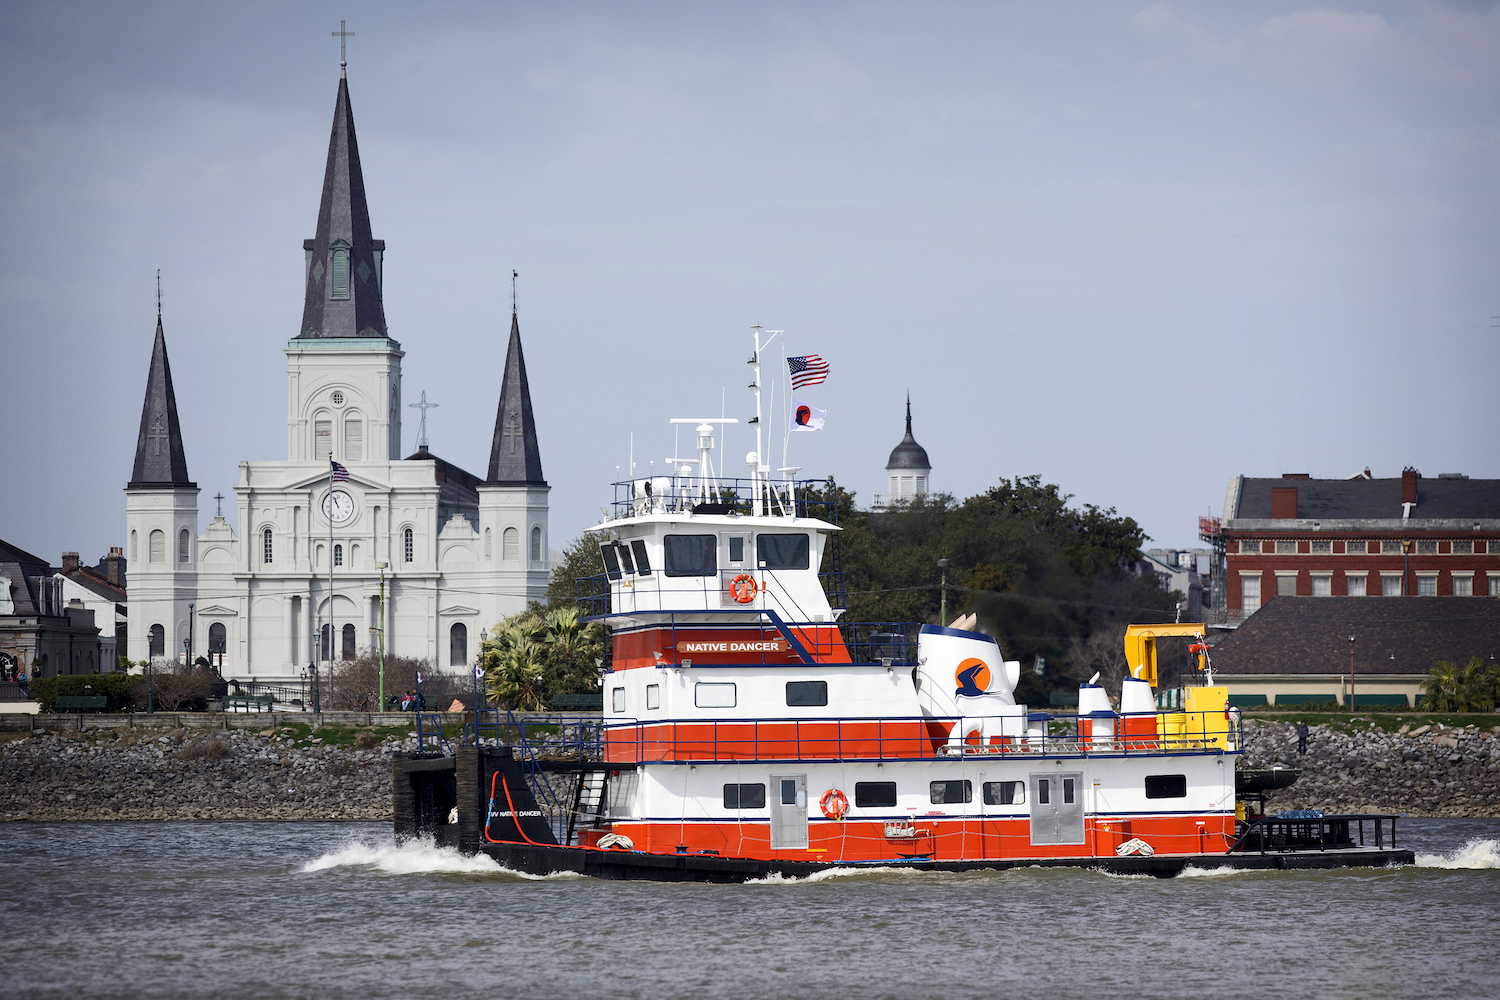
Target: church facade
{"x":457,"y":552}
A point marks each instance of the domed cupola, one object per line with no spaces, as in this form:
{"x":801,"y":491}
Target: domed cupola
{"x":908,"y":470}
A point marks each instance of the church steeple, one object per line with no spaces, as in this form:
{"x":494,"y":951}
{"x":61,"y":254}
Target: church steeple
{"x":343,"y":273}
{"x":514,"y":456}
{"x":159,"y":458}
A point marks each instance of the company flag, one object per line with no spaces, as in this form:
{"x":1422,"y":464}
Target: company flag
{"x":806,"y":417}
{"x":809,"y":369}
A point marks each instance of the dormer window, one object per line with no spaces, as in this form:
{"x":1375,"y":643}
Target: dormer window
{"x":338,"y":260}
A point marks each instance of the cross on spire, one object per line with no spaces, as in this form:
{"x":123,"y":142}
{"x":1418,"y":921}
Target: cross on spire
{"x":157,"y":435}
{"x":158,"y":293}
{"x":424,"y":406}
{"x":341,"y":34}
{"x":220,"y":498}
{"x":513,"y":276}
{"x":512,"y":431}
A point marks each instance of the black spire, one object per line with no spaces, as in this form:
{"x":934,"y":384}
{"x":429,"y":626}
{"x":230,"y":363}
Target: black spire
{"x":514,"y":456}
{"x":159,"y":458}
{"x":343,"y":262}
{"x":908,"y":454}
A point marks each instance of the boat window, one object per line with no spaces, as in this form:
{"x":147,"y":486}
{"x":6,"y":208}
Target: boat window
{"x":943,"y":792}
{"x":611,"y":561}
{"x":627,"y":565}
{"x":1166,"y":786}
{"x":875,"y":793}
{"x":745,"y":796}
{"x":653,"y":696}
{"x":1044,"y":791}
{"x":691,"y":555}
{"x":642,"y":564}
{"x":617,"y":699}
{"x":782,"y":551}
{"x":1067,"y":791}
{"x":736,"y":548}
{"x":788,"y":791}
{"x":708,"y":695}
{"x":1004,"y":793}
{"x":803,"y":694}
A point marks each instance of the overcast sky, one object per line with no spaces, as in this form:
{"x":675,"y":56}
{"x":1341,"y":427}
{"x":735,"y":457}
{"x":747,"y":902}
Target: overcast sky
{"x":1133,"y":248}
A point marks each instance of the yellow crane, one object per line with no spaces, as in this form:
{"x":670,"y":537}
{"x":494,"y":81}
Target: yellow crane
{"x":1140,"y":647}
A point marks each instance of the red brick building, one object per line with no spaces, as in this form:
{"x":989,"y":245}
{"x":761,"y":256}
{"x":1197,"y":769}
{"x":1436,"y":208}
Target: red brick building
{"x":1360,"y":537}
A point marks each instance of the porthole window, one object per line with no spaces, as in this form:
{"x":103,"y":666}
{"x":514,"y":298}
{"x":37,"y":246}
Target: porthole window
{"x":338,"y":398}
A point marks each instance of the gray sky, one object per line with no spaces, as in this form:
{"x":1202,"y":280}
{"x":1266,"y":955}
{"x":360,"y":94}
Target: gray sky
{"x":1134,"y":248}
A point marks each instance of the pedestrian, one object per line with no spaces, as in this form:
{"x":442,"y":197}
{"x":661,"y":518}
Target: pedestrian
{"x":1302,"y":737}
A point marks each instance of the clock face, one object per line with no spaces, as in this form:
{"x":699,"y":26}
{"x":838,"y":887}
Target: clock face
{"x":338,"y":506}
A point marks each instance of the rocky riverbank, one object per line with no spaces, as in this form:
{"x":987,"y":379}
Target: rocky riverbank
{"x":1427,"y":770}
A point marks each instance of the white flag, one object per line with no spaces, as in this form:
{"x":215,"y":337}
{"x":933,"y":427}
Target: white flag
{"x":478,"y":672}
{"x":806,"y":417}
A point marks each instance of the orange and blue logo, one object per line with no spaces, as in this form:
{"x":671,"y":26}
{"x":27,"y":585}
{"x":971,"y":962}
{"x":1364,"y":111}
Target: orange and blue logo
{"x":972,"y":677}
{"x":804,"y":415}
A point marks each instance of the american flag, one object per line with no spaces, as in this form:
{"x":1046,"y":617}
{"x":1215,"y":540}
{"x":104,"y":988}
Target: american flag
{"x":807,"y":370}
{"x":340,"y":474}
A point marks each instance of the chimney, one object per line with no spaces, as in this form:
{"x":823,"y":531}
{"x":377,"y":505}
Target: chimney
{"x":1284,"y":502}
{"x":112,"y":566}
{"x":69,"y":562}
{"x":1409,"y":477}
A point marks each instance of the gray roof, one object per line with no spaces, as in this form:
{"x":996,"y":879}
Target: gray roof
{"x":343,"y":218}
{"x":515,"y":458}
{"x":908,"y":454}
{"x":159,"y":458}
{"x":1334,"y":499}
{"x":22,"y":568}
{"x":1310,"y":635}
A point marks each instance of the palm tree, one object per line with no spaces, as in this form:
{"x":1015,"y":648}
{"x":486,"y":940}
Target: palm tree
{"x":514,"y":667}
{"x":1475,"y":688}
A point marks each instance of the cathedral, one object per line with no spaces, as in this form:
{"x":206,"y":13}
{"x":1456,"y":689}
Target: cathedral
{"x":301,"y":581}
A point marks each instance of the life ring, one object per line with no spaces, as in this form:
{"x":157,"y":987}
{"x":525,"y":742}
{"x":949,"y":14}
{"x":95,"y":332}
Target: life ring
{"x":744,"y":594}
{"x":834,"y":803}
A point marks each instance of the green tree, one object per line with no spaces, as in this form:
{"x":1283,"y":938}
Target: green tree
{"x":1475,"y":688}
{"x":581,"y":560}
{"x":531,"y":657}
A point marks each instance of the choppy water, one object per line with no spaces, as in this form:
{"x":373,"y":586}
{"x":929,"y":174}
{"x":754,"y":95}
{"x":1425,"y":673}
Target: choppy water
{"x":332,"y":911}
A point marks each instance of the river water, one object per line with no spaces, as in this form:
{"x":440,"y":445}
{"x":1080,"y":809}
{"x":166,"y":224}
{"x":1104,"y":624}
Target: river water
{"x":328,"y":911}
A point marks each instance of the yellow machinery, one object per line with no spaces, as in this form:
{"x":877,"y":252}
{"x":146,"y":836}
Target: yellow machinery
{"x":1140,"y":647}
{"x":1203,"y":715}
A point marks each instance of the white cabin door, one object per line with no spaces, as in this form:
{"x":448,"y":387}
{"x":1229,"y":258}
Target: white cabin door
{"x":788,"y":810}
{"x":1057,"y":808}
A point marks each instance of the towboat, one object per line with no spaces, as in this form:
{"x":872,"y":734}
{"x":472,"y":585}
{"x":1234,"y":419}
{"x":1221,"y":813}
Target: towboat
{"x":748,"y":729}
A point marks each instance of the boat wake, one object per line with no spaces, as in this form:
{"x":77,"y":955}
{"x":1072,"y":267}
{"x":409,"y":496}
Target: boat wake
{"x":1192,"y":871}
{"x":776,"y":878}
{"x":416,"y":857}
{"x":1474,"y":854}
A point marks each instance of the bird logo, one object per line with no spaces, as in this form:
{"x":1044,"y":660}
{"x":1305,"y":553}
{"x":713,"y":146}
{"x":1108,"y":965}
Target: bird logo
{"x":973,"y":677}
{"x":804,"y":415}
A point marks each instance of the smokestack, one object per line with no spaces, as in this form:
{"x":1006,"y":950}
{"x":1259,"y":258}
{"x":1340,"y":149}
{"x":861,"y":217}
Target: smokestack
{"x":69,"y":561}
{"x":1409,"y":477}
{"x":112,"y":566}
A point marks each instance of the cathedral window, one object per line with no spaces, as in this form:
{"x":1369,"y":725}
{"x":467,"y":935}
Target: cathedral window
{"x":536,"y":545}
{"x":354,"y":439}
{"x":216,"y":637}
{"x":339,"y":286}
{"x":408,"y":545}
{"x":327,"y":642}
{"x":510,"y":548}
{"x":184,"y":545}
{"x":134,"y":547}
{"x":322,"y":440}
{"x":265,"y":541}
{"x":347,"y":653}
{"x":158,"y":641}
{"x":338,"y":555}
{"x":158,"y":546}
{"x":458,"y":645}
{"x":488,"y":551}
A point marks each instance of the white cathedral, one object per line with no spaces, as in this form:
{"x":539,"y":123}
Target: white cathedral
{"x":458,"y":553}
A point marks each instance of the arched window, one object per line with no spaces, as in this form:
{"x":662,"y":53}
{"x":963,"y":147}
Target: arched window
{"x":536,"y":545}
{"x":158,"y":641}
{"x":327,"y":637}
{"x":338,"y":555}
{"x":158,"y":546}
{"x":354,"y":438}
{"x":265,"y":541}
{"x":216,"y":637}
{"x":134,"y":547}
{"x":407,"y":534}
{"x":347,"y":652}
{"x":339,"y":286}
{"x":458,"y":645}
{"x":488,"y":550}
{"x":184,"y":543}
{"x":510,"y":547}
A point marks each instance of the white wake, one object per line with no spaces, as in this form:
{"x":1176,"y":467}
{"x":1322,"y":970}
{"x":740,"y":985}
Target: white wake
{"x":776,"y":878}
{"x":1474,"y":854}
{"x":416,"y":857}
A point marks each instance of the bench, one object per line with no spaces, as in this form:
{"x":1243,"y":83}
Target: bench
{"x":80,"y":703}
{"x":261,"y":702}
{"x":578,"y":702}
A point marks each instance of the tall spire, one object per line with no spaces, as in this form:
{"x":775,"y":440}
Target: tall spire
{"x":343,"y":272}
{"x":908,"y":454}
{"x":159,"y":458}
{"x":514,"y":456}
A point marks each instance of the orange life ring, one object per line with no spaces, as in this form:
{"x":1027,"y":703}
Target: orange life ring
{"x":744,"y":594}
{"x":834,"y":803}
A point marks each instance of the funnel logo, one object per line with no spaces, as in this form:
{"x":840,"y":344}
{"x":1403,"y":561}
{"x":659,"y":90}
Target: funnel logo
{"x":972,"y":677}
{"x":804,"y":415}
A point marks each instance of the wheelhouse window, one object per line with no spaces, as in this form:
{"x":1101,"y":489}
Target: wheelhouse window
{"x":1166,"y":786}
{"x":691,"y":555}
{"x":642,"y":563}
{"x":948,"y":792}
{"x":653,"y":696}
{"x":617,"y":699}
{"x":627,"y":564}
{"x":783,"y":551}
{"x":875,"y":794}
{"x":745,"y":796}
{"x":1004,"y":793}
{"x":713,"y":695}
{"x":806,"y":694}
{"x":611,"y":558}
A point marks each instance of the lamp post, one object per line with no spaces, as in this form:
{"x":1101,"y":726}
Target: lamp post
{"x":304,"y":689}
{"x":1351,"y":674}
{"x":150,"y":677}
{"x":383,"y":567}
{"x":943,"y":605}
{"x":191,"y":606}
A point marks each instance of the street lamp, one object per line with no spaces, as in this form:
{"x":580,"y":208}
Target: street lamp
{"x":1351,"y":674}
{"x":382,"y":566}
{"x":943,"y":609}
